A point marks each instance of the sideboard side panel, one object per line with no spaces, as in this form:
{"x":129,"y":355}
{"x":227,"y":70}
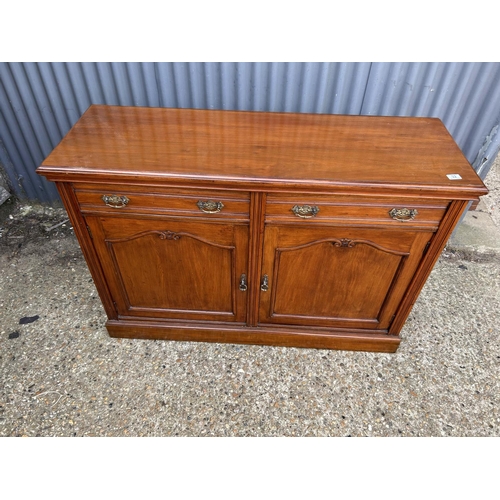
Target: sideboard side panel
{"x":83,"y":237}
{"x":436,"y":246}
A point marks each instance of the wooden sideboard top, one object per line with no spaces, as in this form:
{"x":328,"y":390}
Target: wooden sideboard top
{"x":262,"y":150}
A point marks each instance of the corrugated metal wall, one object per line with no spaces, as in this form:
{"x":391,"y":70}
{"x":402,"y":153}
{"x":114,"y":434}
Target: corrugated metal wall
{"x":39,"y":102}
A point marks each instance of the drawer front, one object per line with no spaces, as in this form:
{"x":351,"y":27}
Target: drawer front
{"x":177,"y":202}
{"x":363,"y":211}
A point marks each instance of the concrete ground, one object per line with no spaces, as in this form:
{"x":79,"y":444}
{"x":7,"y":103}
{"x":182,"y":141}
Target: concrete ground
{"x":62,"y":375}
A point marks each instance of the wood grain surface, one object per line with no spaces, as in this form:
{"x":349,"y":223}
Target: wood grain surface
{"x":262,"y":148}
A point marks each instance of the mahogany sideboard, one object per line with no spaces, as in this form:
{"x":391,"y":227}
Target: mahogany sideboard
{"x":286,"y":229}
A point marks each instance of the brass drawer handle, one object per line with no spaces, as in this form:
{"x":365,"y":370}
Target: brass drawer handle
{"x":305,"y":211}
{"x":210,"y":207}
{"x":403,"y":214}
{"x":115,"y":201}
{"x":243,"y":283}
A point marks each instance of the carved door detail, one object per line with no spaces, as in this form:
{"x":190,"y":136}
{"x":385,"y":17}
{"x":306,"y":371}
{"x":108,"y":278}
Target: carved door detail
{"x":173,"y":269}
{"x":337,"y":277}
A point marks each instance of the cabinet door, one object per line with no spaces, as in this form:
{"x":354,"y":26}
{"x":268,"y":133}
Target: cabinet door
{"x":337,"y":277}
{"x":173,"y":269}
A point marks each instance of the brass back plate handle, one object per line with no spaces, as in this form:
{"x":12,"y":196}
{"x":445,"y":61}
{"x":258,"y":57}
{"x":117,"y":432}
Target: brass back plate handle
{"x":210,"y":207}
{"x":305,"y":211}
{"x":264,"y":284}
{"x":115,"y":201}
{"x":243,"y":283}
{"x":403,"y":214}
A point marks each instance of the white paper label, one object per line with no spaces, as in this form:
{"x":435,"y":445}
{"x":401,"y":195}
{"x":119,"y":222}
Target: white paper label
{"x":453,"y":177}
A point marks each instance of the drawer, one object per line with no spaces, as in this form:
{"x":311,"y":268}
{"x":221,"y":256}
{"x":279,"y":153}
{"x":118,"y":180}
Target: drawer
{"x":363,"y":211}
{"x":181,"y":202}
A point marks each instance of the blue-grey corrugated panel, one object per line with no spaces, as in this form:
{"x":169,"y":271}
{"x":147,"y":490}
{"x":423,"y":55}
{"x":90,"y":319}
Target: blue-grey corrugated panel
{"x":466,"y":96}
{"x":291,"y":87}
{"x":39,"y":102}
